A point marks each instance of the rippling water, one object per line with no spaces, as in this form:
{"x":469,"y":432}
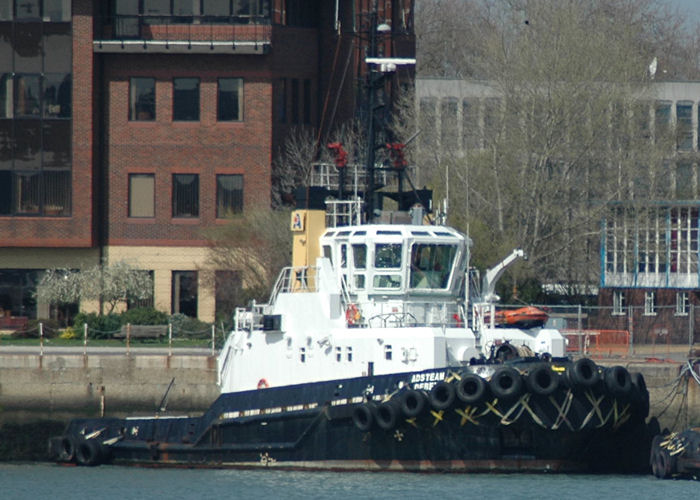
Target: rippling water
{"x":44,"y":481}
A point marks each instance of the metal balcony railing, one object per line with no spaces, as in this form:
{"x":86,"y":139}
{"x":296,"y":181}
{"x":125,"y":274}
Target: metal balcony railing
{"x":134,"y":33}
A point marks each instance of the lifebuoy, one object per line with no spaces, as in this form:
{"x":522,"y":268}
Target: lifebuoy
{"x":262,"y":384}
{"x":471,"y":389}
{"x":352,"y":315}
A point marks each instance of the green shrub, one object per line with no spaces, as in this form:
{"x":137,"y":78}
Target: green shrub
{"x":144,"y":316}
{"x":184,"y":326}
{"x":98,"y":326}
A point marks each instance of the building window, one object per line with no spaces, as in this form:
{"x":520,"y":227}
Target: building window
{"x":682,"y":303}
{"x":307,"y":102}
{"x":618,"y":302}
{"x":295,"y":100}
{"x":142,"y":193}
{"x":184,"y":293}
{"x":230,"y":100}
{"x":186,"y":99}
{"x":387,"y":352}
{"x":185,"y":195}
{"x":282,"y":101}
{"x":684,"y":126}
{"x":662,"y":119}
{"x":229,"y":195}
{"x":649,"y":303}
{"x":142,"y":99}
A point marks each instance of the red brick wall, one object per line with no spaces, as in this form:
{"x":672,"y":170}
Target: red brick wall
{"x":164,"y":147}
{"x":76,"y":231}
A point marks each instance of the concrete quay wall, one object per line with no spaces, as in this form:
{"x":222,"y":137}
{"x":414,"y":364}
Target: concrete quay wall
{"x":58,"y":387}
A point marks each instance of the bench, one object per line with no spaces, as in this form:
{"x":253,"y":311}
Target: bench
{"x":142,"y":332}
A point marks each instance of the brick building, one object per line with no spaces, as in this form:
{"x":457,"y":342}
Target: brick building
{"x":129,"y":127}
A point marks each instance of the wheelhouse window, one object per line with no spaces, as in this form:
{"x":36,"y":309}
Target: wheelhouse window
{"x":387,"y":256}
{"x":186,"y":99}
{"x":185,"y":195}
{"x":142,"y":195}
{"x":431,"y":265}
{"x":359,"y":261}
{"x":229,"y":195}
{"x":230,"y":100}
{"x":142,"y":99}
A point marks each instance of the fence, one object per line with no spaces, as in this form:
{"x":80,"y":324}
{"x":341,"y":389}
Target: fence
{"x":127,"y":336}
{"x":661,"y":332}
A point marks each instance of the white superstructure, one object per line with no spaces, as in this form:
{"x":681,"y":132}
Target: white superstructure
{"x":380,"y":298}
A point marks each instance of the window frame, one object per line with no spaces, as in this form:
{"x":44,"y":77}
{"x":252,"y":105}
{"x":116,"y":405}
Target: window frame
{"x":237,"y":196}
{"x":650,"y":305}
{"x":618,"y":308}
{"x":221,"y":115}
{"x":181,"y":213}
{"x":180,"y":111}
{"x":135,"y":100}
{"x":131,"y":204}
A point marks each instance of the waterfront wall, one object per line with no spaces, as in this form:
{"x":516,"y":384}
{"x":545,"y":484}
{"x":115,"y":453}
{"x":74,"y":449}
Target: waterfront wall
{"x":58,"y":387}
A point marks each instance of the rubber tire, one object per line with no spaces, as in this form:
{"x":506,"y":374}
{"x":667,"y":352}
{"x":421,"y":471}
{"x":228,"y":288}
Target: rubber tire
{"x":363,"y":416}
{"x":618,"y":381}
{"x":67,"y":449}
{"x":471,"y":389}
{"x":641,"y":394}
{"x":506,"y":383}
{"x":442,"y":395}
{"x":413,"y":403}
{"x":388,"y":415}
{"x":542,"y":380}
{"x":583,"y":374}
{"x":663,"y":465}
{"x":88,"y":453}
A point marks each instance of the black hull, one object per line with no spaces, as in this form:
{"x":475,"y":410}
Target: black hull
{"x":318,"y":426}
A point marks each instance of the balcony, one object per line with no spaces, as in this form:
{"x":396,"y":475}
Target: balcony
{"x":184,"y":35}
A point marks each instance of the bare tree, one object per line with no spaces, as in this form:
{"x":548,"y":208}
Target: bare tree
{"x":256,"y":245}
{"x":568,"y":131}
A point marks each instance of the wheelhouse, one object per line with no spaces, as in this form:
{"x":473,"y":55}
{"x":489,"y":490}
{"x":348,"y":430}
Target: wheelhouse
{"x":394,"y":260}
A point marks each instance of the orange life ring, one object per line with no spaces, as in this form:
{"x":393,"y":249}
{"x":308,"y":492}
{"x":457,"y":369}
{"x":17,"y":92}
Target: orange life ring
{"x":352,"y":314}
{"x":262,"y":384}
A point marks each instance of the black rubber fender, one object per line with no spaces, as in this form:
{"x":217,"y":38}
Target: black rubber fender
{"x":663,"y":465}
{"x":583,"y":373}
{"x":87,"y":452}
{"x":388,"y":414}
{"x":618,"y":381}
{"x":413,"y":403}
{"x":67,"y":448}
{"x":506,"y":383}
{"x":442,"y":395}
{"x":471,"y":389}
{"x":363,"y":416}
{"x":641,"y":394}
{"x":542,"y":380}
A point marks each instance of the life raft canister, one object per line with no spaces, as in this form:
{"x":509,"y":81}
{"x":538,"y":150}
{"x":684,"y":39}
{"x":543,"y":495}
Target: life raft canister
{"x":352,"y":315}
{"x":262,"y":384}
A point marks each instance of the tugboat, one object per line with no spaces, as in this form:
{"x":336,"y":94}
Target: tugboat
{"x":377,"y":352}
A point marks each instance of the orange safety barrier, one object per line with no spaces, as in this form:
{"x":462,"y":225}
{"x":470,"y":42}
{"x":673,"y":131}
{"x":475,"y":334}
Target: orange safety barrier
{"x":598,"y":342}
